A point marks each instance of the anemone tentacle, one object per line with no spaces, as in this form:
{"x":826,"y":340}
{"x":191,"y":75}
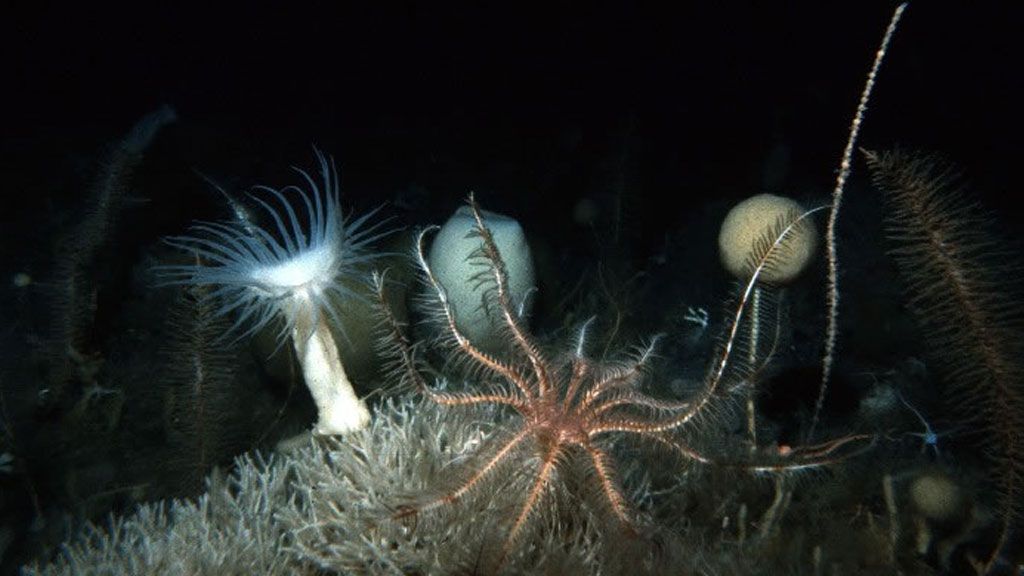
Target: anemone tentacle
{"x":303,"y":252}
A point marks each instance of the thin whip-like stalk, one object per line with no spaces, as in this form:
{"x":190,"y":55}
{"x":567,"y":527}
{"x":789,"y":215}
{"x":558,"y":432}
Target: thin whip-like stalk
{"x":837,"y":197}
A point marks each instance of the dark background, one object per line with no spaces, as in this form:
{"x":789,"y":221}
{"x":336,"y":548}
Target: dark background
{"x":457,"y":97}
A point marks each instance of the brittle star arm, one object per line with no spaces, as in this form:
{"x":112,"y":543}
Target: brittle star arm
{"x":634,"y":398}
{"x":677,"y":446}
{"x":400,"y":347}
{"x":474,"y":479}
{"x":490,"y":251}
{"x":622,"y":377}
{"x":481,"y":357}
{"x":611,"y":491}
{"x":470,"y":398}
{"x":542,"y":480}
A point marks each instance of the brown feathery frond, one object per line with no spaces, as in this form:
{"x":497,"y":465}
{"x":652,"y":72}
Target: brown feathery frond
{"x":397,"y":353}
{"x":959,"y":278}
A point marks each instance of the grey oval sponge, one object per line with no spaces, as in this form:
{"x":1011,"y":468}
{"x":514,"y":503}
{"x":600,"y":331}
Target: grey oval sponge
{"x":464,"y":274}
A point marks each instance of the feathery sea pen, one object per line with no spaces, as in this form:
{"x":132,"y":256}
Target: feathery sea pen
{"x":959,"y":278}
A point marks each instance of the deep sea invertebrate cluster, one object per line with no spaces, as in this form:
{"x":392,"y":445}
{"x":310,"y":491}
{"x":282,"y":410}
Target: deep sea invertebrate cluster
{"x":570,"y":406}
{"x":288,"y":272}
{"x":549,"y":440}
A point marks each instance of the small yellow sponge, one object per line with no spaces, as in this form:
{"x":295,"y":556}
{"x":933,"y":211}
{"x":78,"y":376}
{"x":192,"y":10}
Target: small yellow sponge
{"x":936,"y":496}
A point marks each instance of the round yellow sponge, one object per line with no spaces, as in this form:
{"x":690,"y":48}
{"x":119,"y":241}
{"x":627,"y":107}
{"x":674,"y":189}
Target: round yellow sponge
{"x":753,"y":219}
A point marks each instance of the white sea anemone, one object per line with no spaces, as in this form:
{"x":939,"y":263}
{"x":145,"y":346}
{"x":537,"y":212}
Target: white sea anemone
{"x":291,"y":272}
